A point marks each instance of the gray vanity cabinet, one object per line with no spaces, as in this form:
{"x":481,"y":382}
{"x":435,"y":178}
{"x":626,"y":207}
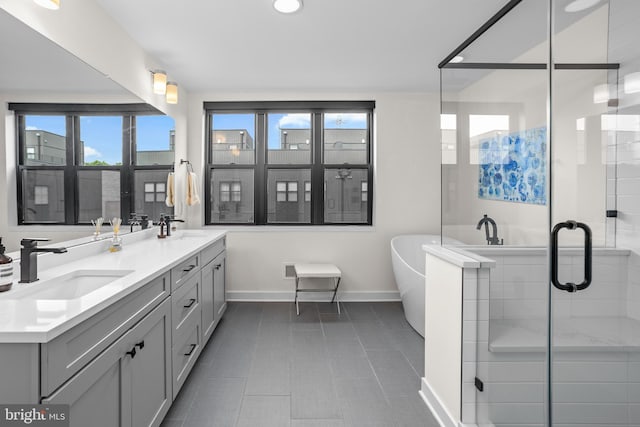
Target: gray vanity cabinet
{"x":213,"y":294}
{"x":129,"y":383}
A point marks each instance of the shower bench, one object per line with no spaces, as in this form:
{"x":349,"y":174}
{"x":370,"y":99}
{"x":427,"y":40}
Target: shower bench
{"x":317,"y":271}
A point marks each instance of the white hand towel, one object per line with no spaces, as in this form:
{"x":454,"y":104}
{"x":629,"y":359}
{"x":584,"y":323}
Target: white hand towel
{"x":192,"y":190}
{"x":170,"y":200}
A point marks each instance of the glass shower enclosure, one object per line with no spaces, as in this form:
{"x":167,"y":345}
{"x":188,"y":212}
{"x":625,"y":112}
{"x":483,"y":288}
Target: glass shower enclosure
{"x":540,"y":119}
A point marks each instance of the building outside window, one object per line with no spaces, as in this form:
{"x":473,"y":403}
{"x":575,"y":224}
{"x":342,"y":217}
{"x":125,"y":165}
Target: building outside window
{"x":80,"y":162}
{"x":290,"y":159}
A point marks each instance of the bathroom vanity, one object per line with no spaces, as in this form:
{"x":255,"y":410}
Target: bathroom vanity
{"x":113,"y":335}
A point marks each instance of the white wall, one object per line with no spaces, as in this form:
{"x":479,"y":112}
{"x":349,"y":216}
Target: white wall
{"x":406,"y":200}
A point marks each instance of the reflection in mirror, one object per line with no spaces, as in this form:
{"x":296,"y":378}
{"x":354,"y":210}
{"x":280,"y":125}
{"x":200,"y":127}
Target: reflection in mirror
{"x":37,"y":70}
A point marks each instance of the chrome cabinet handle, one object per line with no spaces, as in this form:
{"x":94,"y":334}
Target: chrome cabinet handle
{"x":140,"y":345}
{"x":191,"y":302}
{"x":188,"y":269}
{"x":571,"y":287}
{"x":132,"y":353}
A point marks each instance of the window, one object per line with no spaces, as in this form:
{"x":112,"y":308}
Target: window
{"x":296,"y":162}
{"x":286,"y":191}
{"x":79,"y":162}
{"x":41,"y":195}
{"x":154,"y":192}
{"x":307,"y":191}
{"x":230,"y":191}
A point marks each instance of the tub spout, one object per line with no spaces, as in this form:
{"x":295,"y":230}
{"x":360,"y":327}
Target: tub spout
{"x":493,"y":239}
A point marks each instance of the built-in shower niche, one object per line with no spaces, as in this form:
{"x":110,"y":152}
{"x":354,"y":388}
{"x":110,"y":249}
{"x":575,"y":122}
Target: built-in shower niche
{"x":596,"y":338}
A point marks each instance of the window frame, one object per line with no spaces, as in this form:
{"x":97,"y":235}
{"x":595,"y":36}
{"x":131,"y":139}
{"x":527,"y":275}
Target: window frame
{"x":72,"y":114}
{"x":316,"y":166}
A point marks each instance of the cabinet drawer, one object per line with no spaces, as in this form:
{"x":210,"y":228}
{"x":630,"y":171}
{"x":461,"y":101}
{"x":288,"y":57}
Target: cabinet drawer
{"x":186,"y":352}
{"x":69,"y":352}
{"x":185,"y":303}
{"x":183,"y":271}
{"x":212,"y":251}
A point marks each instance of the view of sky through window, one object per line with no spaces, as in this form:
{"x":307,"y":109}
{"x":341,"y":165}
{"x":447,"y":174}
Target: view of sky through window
{"x":102,"y":135}
{"x":279,"y":121}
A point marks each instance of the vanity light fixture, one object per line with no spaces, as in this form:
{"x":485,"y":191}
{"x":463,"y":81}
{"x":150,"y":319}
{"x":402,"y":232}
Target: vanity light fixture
{"x":172,"y":93}
{"x":287,"y":6}
{"x":159,"y":82}
{"x":580,"y":5}
{"x":48,"y":4}
{"x":456,"y":59}
{"x":632,"y":83}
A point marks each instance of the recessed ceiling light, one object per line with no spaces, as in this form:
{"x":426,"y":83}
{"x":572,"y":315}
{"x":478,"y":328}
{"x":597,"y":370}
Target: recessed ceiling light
{"x":457,"y":59}
{"x":287,"y":6}
{"x":48,"y":4}
{"x":579,"y":5}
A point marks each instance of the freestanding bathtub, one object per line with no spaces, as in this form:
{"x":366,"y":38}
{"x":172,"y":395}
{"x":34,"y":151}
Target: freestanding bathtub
{"x":408,"y":260}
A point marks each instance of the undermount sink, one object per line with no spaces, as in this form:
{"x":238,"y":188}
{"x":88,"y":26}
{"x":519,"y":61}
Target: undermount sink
{"x":188,"y":234}
{"x":75,"y":284}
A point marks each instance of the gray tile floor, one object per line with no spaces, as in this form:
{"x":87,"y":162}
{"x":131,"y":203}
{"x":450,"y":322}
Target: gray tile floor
{"x":265,"y":366}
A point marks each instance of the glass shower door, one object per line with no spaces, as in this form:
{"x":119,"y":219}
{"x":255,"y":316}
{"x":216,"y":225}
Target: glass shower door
{"x":594,"y":298}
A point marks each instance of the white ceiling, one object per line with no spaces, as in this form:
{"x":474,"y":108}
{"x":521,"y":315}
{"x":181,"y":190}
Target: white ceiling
{"x":351,"y":45}
{"x":31,"y":63}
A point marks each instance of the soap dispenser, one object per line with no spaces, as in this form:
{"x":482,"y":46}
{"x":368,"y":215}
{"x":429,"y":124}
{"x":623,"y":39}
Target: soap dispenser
{"x":6,"y":270}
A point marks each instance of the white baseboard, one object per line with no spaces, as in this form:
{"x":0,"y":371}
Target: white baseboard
{"x":439,"y":411}
{"x":280,"y":296}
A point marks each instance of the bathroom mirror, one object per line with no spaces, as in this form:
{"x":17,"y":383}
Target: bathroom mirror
{"x":33,"y":64}
{"x":36,"y":70}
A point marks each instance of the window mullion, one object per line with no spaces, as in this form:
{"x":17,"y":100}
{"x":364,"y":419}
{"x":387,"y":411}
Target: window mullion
{"x":127,"y":170}
{"x":317,"y":172}
{"x":261,"y":170}
{"x":70,"y":170}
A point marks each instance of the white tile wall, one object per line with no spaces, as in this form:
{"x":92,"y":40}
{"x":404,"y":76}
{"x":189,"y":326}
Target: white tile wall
{"x":590,"y":388}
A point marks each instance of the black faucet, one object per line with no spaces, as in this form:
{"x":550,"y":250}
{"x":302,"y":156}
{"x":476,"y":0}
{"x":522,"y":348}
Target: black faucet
{"x":29,"y":258}
{"x":493,"y":240}
{"x":168,"y":220}
{"x":133,"y":221}
{"x":144,"y":221}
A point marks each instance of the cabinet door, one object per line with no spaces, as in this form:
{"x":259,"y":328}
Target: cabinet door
{"x":149,"y":378}
{"x":208,"y":313}
{"x":219,"y":290}
{"x":122,"y":387}
{"x":95,"y":394}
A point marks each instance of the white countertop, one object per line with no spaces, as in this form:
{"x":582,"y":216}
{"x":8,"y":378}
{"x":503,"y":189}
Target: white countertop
{"x":453,"y":257}
{"x":26,"y":319}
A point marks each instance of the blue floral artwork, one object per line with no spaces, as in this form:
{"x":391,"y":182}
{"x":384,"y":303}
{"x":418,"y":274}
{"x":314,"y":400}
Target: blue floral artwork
{"x":513,"y":167}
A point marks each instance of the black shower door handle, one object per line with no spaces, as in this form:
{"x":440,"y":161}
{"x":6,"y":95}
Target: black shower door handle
{"x":571,"y":287}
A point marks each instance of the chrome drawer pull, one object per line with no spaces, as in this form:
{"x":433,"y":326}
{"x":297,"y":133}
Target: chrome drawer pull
{"x":191,"y":302}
